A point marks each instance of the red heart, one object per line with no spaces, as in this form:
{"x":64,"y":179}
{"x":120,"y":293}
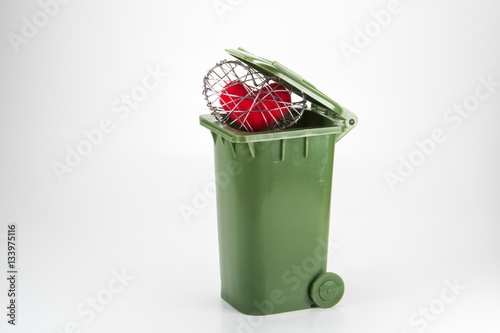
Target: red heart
{"x":255,"y":109}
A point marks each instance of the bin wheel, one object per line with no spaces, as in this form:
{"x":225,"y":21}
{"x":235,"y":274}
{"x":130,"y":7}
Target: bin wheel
{"x":326,"y":290}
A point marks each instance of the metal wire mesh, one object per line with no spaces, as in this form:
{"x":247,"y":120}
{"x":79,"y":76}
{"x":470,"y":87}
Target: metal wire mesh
{"x":246,"y":99}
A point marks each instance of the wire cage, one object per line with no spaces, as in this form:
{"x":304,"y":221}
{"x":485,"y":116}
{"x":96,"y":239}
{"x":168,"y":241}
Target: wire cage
{"x":243,"y":98}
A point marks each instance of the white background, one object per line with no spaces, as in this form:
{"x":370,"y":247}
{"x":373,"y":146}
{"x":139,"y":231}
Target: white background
{"x":120,"y":208}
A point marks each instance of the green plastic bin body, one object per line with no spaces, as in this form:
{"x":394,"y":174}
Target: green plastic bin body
{"x":273,"y":203}
{"x":273,"y":210}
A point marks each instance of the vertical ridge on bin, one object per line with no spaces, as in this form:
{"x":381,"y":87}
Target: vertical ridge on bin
{"x":306,"y":146}
{"x":233,"y":148}
{"x":214,"y":137}
{"x":282,"y":153}
{"x":251,"y":147}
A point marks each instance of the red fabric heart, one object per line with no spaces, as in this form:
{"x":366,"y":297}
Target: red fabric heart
{"x":255,"y":109}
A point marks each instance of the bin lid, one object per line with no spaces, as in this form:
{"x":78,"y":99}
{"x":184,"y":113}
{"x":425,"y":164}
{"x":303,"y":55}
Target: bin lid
{"x":293,"y":81}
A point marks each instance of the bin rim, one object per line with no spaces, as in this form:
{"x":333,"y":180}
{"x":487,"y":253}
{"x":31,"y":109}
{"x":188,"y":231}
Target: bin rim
{"x":320,"y":102}
{"x":237,"y":136}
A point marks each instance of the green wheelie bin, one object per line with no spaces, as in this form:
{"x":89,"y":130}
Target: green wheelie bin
{"x":273,"y":207}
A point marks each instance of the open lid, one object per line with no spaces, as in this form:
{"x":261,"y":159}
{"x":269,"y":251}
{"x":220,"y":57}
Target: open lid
{"x":293,"y":81}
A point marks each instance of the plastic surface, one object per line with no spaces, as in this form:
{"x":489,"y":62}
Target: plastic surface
{"x":273,"y":208}
{"x":326,"y":290}
{"x":273,"y":204}
{"x":295,"y":82}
